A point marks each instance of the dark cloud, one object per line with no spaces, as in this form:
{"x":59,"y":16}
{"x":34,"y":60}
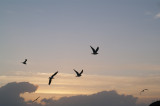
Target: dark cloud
{"x":10,"y":96}
{"x":105,"y":98}
{"x":10,"y":93}
{"x":157,"y":103}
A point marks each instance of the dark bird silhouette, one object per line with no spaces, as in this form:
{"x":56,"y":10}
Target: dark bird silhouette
{"x":52,"y":77}
{"x":94,"y":51}
{"x":36,"y":99}
{"x":78,"y":74}
{"x":143,"y":91}
{"x":25,"y":61}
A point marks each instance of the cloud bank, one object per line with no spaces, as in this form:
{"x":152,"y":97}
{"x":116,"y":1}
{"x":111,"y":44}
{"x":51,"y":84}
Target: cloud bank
{"x":10,"y":96}
{"x":104,"y":98}
{"x":10,"y":93}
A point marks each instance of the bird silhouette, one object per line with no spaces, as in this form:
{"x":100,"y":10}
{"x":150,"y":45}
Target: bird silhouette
{"x":25,"y":61}
{"x":52,"y":77}
{"x":143,"y":91}
{"x":94,"y":51}
{"x":78,"y":74}
{"x":36,"y":99}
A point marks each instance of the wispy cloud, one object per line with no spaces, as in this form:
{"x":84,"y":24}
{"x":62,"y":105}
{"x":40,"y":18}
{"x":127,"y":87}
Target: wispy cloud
{"x":87,"y":84}
{"x":157,"y":16}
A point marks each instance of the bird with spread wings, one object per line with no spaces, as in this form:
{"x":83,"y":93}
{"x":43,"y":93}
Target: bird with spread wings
{"x":143,"y":91}
{"x":52,"y":77}
{"x":94,"y":50}
{"x":78,"y":74}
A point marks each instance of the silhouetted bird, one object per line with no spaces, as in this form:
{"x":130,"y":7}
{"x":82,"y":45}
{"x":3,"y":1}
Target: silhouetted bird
{"x":94,"y":51}
{"x":25,"y":61}
{"x":143,"y":91}
{"x":36,"y":99}
{"x":78,"y":74}
{"x":52,"y":77}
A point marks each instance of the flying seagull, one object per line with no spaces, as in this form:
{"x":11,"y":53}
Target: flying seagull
{"x":52,"y":77}
{"x":25,"y":61}
{"x":143,"y":91}
{"x":36,"y":99}
{"x":78,"y":74}
{"x":94,"y":51}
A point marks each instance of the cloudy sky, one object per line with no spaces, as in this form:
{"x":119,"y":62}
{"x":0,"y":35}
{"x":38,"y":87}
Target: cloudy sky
{"x":55,"y":35}
{"x":13,"y":90}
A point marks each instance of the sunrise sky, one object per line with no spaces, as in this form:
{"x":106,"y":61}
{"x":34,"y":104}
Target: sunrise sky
{"x":55,"y":35}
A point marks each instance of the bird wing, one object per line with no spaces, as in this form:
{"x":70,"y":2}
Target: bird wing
{"x":50,"y":81}
{"x":54,"y":74}
{"x":93,"y":49}
{"x":97,"y":49}
{"x":81,"y":72}
{"x":143,"y":91}
{"x":36,"y":99}
{"x":76,"y":72}
{"x":25,"y":60}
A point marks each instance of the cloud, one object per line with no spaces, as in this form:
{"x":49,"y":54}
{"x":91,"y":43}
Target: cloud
{"x":89,"y":84}
{"x":157,"y":103}
{"x":157,"y":16}
{"x":104,"y":98}
{"x":10,"y":93}
{"x":10,"y":96}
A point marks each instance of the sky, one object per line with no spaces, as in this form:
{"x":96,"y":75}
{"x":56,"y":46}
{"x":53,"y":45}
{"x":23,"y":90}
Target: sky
{"x":56,"y":35}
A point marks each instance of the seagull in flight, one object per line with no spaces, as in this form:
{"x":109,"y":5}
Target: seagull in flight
{"x":52,"y":77}
{"x":36,"y":99}
{"x":94,"y":51}
{"x":143,"y":91}
{"x":25,"y":61}
{"x":78,"y":74}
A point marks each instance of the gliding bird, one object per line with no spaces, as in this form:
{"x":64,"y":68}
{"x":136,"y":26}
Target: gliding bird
{"x":36,"y":99}
{"x":143,"y":91}
{"x":78,"y":74}
{"x":52,"y":77}
{"x":94,"y":51}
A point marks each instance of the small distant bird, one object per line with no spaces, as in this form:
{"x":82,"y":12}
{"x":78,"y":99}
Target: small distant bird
{"x":25,"y":61}
{"x":94,"y":51}
{"x":52,"y":77}
{"x":78,"y":74}
{"x":36,"y":99}
{"x":143,"y":91}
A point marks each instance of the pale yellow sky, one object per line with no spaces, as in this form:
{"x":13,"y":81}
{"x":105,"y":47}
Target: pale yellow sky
{"x":68,"y":84}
